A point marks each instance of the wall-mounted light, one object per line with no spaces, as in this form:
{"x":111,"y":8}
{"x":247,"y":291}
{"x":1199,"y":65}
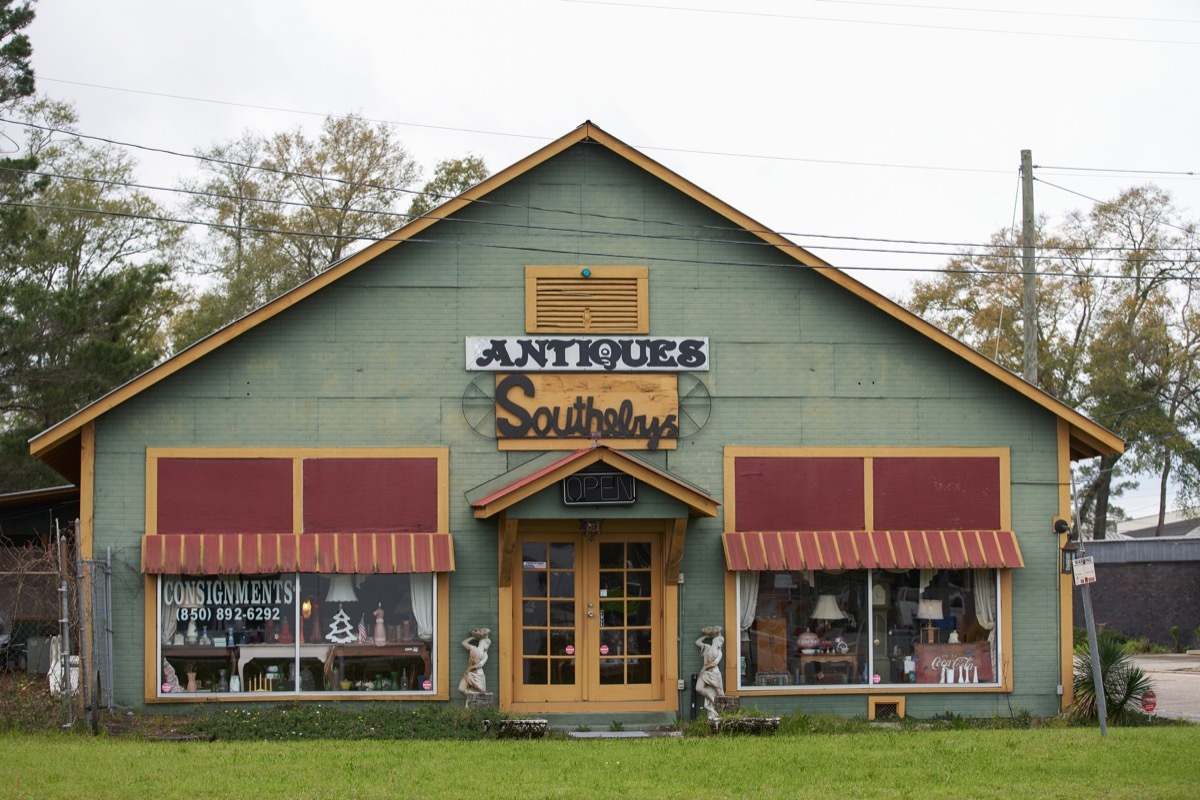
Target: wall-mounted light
{"x":1069,"y":551}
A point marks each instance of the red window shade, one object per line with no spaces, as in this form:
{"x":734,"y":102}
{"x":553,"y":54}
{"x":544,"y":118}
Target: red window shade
{"x":370,"y":495}
{"x":799,"y":493}
{"x":224,"y":495}
{"x":936,"y":494}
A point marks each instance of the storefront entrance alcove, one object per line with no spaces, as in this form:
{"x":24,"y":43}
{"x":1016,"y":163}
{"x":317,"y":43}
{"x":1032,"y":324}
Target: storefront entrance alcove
{"x":589,"y":603}
{"x":588,"y":614}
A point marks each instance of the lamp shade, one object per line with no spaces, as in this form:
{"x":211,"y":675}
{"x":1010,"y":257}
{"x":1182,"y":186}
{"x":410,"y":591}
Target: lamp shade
{"x":191,"y":597}
{"x":827,"y":608}
{"x":929,"y":609}
{"x":341,"y":590}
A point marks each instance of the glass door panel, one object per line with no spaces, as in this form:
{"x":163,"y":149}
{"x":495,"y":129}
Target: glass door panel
{"x":588,"y":614}
{"x":626,"y":644}
{"x":548,"y":614}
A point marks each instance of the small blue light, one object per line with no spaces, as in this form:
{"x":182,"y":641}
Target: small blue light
{"x":587,"y":273}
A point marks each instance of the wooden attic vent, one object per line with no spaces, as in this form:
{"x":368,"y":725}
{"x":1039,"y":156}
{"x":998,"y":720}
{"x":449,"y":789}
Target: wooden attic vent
{"x":604,"y":300}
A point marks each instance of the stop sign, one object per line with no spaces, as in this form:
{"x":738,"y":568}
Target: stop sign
{"x":1149,"y":701}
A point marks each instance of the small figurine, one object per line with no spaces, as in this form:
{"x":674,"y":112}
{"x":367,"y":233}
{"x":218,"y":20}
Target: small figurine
{"x":170,"y":679}
{"x":953,"y":637}
{"x":380,"y":629}
{"x":709,"y":683}
{"x":473,"y":679}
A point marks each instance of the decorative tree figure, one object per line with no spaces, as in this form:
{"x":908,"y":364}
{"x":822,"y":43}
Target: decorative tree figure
{"x":340,"y":630}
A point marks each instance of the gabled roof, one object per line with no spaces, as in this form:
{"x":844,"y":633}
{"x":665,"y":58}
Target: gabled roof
{"x":59,"y":445}
{"x":538,"y":473}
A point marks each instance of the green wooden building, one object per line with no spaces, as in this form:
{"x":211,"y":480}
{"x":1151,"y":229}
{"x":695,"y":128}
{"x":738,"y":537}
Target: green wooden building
{"x":576,"y":437}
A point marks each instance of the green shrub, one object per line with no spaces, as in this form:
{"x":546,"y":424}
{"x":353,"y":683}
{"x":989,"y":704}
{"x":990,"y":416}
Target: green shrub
{"x":1122,"y":681}
{"x":301,"y":721}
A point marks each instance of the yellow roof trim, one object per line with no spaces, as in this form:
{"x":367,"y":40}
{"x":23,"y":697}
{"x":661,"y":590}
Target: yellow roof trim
{"x":1087,"y":438}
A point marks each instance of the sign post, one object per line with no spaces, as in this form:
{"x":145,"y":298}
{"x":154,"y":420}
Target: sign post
{"x":1085,"y":575}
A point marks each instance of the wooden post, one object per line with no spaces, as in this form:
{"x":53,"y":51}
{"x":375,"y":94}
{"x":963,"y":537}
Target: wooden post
{"x":1028,"y":269}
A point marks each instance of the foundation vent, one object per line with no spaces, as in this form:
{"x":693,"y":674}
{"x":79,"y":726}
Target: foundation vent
{"x":882,"y":709}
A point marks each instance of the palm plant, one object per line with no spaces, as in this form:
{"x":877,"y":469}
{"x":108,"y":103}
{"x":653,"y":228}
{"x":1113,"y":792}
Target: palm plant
{"x":1124,"y":682}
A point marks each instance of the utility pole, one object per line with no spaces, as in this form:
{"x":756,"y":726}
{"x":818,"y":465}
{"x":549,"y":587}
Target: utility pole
{"x":1028,"y":269}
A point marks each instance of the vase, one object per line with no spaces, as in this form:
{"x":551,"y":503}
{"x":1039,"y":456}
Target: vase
{"x":191,"y":684}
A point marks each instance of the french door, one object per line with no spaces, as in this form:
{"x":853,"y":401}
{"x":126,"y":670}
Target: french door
{"x":588,"y":614}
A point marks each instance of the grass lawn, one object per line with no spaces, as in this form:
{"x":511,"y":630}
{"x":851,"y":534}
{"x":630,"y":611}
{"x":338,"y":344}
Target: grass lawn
{"x":1143,"y":763}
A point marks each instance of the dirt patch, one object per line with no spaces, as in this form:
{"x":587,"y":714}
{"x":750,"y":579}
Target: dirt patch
{"x":27,"y":705}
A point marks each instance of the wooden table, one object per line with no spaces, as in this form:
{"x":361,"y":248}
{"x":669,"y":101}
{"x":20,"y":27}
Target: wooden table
{"x":248,"y":652}
{"x":415,"y":650}
{"x":819,"y":659}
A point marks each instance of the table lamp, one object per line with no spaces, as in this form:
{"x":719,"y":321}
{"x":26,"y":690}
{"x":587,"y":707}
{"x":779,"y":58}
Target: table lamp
{"x":929,"y":610}
{"x":827,"y":609}
{"x":341,"y":590}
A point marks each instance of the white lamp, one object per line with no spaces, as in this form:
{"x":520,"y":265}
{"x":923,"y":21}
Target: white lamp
{"x":929,"y":610}
{"x":828,"y":609}
{"x":341,"y":590}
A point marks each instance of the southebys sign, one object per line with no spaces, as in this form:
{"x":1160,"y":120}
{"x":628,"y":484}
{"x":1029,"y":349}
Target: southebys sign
{"x":545,"y":411}
{"x":587,"y":353}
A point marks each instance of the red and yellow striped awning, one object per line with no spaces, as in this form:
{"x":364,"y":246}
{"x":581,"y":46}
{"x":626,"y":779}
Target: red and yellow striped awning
{"x":796,"y":550}
{"x":270,"y":553}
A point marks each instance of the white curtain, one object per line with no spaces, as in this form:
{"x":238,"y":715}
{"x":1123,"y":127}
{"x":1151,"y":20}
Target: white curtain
{"x":421,"y":584}
{"x":985,"y":600}
{"x":747,"y":592}
{"x":985,"y":609}
{"x":168,"y":617}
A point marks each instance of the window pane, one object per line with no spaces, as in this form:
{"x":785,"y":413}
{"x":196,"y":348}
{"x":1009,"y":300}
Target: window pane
{"x":533,"y":555}
{"x":612,"y":555}
{"x":562,"y":555}
{"x":533,"y":584}
{"x":562,"y":584}
{"x":808,"y":628}
{"x":533,"y":613}
{"x":288,"y":633}
{"x":562,"y":614}
{"x":637,"y":555}
{"x":535,"y":642}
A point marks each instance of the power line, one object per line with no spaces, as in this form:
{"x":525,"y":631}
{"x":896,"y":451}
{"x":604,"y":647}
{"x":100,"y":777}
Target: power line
{"x":1106,"y":203}
{"x":882,"y":23}
{"x":1188,"y":173}
{"x":1007,"y":11}
{"x":522,"y":226}
{"x":531,"y":249}
{"x":582,"y":214}
{"x":482,"y":132}
{"x":647,"y":147}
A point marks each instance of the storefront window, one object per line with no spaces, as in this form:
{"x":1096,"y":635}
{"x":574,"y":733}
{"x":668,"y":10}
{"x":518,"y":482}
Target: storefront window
{"x":814,"y":628}
{"x":292,"y":633}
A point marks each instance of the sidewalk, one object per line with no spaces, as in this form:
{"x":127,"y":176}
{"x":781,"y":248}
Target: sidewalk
{"x":1176,"y":678}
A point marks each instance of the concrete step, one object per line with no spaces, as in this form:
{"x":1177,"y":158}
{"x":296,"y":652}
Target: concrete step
{"x":604,"y":723}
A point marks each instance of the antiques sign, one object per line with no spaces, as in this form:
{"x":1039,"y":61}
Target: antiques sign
{"x":558,"y":412}
{"x":587,"y":353}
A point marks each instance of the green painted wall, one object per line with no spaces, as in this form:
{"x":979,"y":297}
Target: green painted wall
{"x":377,"y":359}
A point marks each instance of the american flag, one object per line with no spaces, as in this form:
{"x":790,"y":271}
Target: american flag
{"x":362,"y":629}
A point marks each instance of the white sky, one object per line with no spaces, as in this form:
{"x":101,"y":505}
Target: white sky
{"x":875,"y":119}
